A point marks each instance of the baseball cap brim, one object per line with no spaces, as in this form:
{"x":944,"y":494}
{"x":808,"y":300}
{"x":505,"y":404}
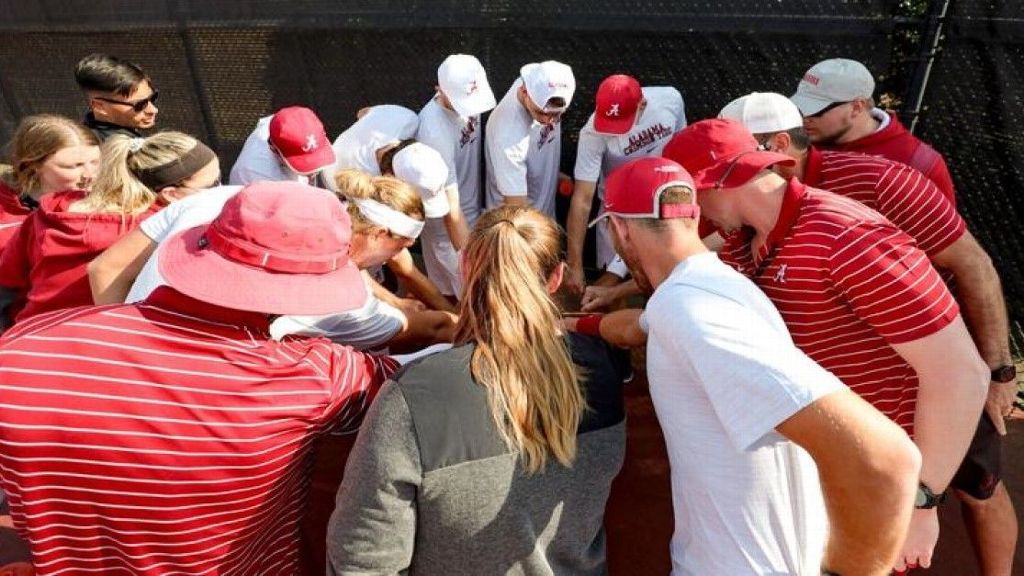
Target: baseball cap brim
{"x":614,"y":125}
{"x":205,"y":275}
{"x":809,"y":103}
{"x":310,"y":162}
{"x":478,"y":102}
{"x":738,"y":170}
{"x":436,"y":206}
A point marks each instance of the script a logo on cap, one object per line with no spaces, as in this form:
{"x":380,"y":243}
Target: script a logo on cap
{"x":811,"y":79}
{"x":472,"y":87}
{"x":311,"y":143}
{"x":613,"y":111}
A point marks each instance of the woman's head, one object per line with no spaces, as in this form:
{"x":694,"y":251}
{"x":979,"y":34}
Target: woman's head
{"x":138,"y":171}
{"x":387,"y":215}
{"x":51,"y":153}
{"x":511,"y":266}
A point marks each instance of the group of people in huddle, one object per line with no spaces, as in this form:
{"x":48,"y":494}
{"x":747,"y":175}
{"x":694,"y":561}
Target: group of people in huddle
{"x":826,"y":343}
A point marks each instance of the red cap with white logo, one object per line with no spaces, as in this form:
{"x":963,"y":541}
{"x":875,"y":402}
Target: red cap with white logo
{"x":300,"y":140}
{"x":618,"y":98}
{"x":634,"y":190}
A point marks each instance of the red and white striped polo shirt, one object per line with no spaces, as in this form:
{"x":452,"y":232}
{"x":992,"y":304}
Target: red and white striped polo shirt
{"x":168,"y":437}
{"x":848,"y":284}
{"x":903,"y":195}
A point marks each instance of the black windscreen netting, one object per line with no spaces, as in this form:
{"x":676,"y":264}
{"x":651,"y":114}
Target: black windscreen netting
{"x":222,"y":65}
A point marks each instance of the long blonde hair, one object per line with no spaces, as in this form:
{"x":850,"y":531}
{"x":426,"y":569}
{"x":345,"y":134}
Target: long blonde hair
{"x":37,"y":138}
{"x":387,"y":190}
{"x":117,"y":188}
{"x":506,"y":310}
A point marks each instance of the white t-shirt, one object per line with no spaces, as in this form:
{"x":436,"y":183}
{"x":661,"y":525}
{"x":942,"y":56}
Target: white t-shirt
{"x":356,"y":148}
{"x":367,"y":327}
{"x":723,"y":373}
{"x":523,"y":156}
{"x":598,"y":155}
{"x":258,"y":162}
{"x":460,"y":142}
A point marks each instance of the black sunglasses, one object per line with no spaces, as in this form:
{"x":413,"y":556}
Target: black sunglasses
{"x":826,"y":109}
{"x":138,"y":105}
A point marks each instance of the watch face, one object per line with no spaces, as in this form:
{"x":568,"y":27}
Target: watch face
{"x":1004,"y":373}
{"x":921,"y":499}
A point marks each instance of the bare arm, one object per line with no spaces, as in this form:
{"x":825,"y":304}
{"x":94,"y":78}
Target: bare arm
{"x":424,"y":328}
{"x":576,"y":233}
{"x":112,"y":273}
{"x":984,"y":309}
{"x":605,"y":292}
{"x":952,"y":383}
{"x":515,"y":200}
{"x":868,"y":469}
{"x":417,"y":283}
{"x":455,"y":220}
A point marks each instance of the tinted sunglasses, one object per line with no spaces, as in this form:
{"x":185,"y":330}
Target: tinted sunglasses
{"x":826,"y":109}
{"x":138,"y":105}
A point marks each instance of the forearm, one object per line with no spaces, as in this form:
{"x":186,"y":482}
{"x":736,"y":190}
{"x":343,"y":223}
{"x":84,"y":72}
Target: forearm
{"x":455,"y":220}
{"x":422,"y":288}
{"x":523,"y":200}
{"x":984,"y":310}
{"x":424,"y":329}
{"x":622,"y":329}
{"x":109,"y":286}
{"x":576,"y":222}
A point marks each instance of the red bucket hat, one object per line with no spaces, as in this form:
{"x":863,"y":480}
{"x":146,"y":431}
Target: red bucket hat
{"x":720,"y":153}
{"x":275,"y":248}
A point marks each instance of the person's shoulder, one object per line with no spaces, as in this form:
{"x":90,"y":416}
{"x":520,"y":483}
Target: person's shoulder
{"x":824,"y":211}
{"x":445,"y":369}
{"x":662,"y":95}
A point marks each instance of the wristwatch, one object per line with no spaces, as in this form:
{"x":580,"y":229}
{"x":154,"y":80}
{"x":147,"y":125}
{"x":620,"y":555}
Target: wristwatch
{"x":926,"y":498}
{"x":1005,"y":373}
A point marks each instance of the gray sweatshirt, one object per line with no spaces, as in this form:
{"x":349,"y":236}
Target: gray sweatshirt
{"x":430,"y":487}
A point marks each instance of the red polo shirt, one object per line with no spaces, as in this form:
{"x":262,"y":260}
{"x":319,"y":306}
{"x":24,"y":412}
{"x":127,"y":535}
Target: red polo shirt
{"x":45,"y":261}
{"x":903,"y":195}
{"x":848,"y":284}
{"x":168,"y":437}
{"x":896,"y":143}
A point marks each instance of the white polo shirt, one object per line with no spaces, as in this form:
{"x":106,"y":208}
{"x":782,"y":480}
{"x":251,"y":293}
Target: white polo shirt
{"x":460,"y":142}
{"x":523,"y":156}
{"x":598,"y":155}
{"x":723,"y":374}
{"x":258,"y":162}
{"x":356,"y":148}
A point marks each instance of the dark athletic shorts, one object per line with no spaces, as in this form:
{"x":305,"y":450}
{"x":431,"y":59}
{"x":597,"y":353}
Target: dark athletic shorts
{"x":981,"y":470}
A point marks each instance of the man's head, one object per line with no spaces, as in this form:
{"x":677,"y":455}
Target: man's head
{"x":618,"y":104}
{"x":834,"y":96}
{"x":645,"y":201}
{"x":275,"y":248}
{"x":119,"y":92}
{"x":299,"y":139}
{"x":723,"y":157}
{"x":547,"y":90}
{"x":774,"y":121}
{"x":462,"y":81}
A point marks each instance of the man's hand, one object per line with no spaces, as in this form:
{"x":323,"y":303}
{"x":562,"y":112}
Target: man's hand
{"x":999,"y":403}
{"x":408,"y":305}
{"x":921,"y":539}
{"x":598,"y":298}
{"x":574,"y":280}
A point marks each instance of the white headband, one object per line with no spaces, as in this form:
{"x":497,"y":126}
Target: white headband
{"x":388,"y":217}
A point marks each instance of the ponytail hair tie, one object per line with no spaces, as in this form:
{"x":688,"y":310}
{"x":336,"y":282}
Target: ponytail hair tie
{"x":136,"y":144}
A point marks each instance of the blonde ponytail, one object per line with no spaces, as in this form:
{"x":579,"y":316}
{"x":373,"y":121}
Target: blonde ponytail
{"x":532,"y":384}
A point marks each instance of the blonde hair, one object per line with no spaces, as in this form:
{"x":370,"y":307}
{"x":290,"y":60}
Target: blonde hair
{"x":387,"y":190}
{"x":532,"y":384}
{"x":117,"y":188}
{"x":36,"y":139}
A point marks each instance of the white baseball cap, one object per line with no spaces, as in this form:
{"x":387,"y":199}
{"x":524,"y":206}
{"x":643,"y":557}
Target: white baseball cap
{"x":763,"y":112}
{"x":421,"y":166}
{"x":830,"y":81}
{"x":548,"y":80}
{"x":463,"y":80}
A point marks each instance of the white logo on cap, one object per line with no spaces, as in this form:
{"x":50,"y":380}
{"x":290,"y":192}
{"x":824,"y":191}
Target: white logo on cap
{"x":311,"y":143}
{"x":666,"y":169}
{"x":613,"y":111}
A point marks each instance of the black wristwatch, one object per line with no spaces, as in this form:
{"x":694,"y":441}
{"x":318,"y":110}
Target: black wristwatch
{"x":926,"y":498}
{"x":1005,"y":373}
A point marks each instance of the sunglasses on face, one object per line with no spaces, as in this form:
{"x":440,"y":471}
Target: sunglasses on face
{"x":827,"y":109}
{"x":138,"y":105}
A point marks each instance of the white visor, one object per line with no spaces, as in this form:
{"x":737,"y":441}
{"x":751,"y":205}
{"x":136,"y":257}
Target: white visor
{"x":386,"y":216}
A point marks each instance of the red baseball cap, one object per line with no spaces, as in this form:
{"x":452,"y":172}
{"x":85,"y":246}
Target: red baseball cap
{"x":301,"y":140}
{"x":634,"y":189}
{"x":720,"y":153}
{"x":275,"y":248}
{"x":618,"y":98}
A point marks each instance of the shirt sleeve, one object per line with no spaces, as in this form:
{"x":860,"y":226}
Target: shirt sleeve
{"x":158,"y":226}
{"x":373,"y":527}
{"x":357,"y":377}
{"x":617,"y":267}
{"x":754,"y":376}
{"x":370,"y":327}
{"x":912,"y":202}
{"x":890,"y":283}
{"x":589,"y":154}
{"x":508,"y":164}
